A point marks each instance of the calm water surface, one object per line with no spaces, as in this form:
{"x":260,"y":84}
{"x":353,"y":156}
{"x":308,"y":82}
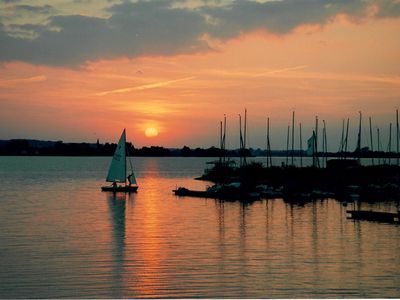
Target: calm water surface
{"x":60,"y":236}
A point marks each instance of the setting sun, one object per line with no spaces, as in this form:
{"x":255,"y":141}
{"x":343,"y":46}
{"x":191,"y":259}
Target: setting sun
{"x":151,"y":132}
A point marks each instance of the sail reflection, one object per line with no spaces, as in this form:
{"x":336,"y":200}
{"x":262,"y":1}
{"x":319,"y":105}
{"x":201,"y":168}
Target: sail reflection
{"x":117,"y":208}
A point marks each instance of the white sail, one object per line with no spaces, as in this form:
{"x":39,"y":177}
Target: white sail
{"x":310,"y":145}
{"x":117,"y":171}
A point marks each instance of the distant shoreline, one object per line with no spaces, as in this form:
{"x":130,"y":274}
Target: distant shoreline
{"x":26,"y":147}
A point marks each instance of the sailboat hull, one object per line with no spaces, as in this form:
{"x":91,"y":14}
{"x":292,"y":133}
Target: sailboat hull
{"x":119,"y":189}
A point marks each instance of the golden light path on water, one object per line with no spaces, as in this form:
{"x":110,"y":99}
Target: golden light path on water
{"x":62,"y":237}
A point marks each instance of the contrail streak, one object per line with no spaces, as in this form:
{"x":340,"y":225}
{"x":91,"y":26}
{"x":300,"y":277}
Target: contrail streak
{"x":145,"y":86}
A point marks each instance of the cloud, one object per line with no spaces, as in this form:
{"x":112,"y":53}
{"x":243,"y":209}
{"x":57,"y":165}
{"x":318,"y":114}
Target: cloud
{"x":134,"y":29}
{"x":19,"y":81}
{"x":44,"y":9}
{"x":254,"y":73}
{"x":389,"y":8}
{"x":276,"y":16}
{"x":284,"y":70}
{"x":144,"y":87}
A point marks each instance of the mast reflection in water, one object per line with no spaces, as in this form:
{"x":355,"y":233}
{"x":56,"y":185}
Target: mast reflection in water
{"x":61,"y":237}
{"x":117,"y":204}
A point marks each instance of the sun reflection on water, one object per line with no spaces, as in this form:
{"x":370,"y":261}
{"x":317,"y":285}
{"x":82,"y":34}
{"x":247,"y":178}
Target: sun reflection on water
{"x":87,"y":244}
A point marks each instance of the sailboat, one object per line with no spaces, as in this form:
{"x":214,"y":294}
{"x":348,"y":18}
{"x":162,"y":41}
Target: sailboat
{"x":117,"y":171}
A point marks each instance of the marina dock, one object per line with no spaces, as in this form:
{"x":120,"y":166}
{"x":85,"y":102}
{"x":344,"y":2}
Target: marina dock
{"x":377,"y":216}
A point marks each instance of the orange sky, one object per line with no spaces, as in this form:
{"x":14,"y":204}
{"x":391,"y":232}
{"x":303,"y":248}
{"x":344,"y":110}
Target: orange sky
{"x":333,"y":70}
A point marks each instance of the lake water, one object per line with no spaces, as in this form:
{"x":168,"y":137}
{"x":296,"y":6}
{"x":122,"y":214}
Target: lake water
{"x":60,"y":236}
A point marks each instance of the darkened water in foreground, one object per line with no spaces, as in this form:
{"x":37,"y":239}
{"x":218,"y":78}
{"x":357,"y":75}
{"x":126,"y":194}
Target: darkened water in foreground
{"x":60,"y":236}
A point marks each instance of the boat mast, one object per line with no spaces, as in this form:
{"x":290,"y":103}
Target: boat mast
{"x":224,"y":139}
{"x":293,"y":139}
{"x":127,"y":158}
{"x":316,"y":142}
{"x":389,"y":149}
{"x":269,"y":156}
{"x":287,"y":145}
{"x":379,"y":146}
{"x":125,"y":154}
{"x":245,"y":136}
{"x":372,"y":141}
{"x":242,"y":141}
{"x":347,"y":136}
{"x":397,"y":134}
{"x":325,"y":143}
{"x":245,"y":128}
{"x":359,"y":139}
{"x":314,"y":164}
{"x":301,"y":148}
{"x":220,"y":141}
{"x":342,"y":141}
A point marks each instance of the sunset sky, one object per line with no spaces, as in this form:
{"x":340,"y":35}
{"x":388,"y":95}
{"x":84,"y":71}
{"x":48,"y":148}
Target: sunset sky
{"x":168,"y":71}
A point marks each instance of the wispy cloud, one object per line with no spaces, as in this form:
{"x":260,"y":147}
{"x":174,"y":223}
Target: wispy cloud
{"x":393,"y":80}
{"x":256,"y":72}
{"x":283,"y":70}
{"x":144,"y":86}
{"x":19,"y":81}
{"x":298,"y":72}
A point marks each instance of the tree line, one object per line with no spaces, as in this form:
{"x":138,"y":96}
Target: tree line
{"x":59,"y":148}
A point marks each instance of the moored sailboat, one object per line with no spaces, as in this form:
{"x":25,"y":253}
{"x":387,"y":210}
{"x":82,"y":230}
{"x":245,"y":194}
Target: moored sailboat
{"x":117,"y":172}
